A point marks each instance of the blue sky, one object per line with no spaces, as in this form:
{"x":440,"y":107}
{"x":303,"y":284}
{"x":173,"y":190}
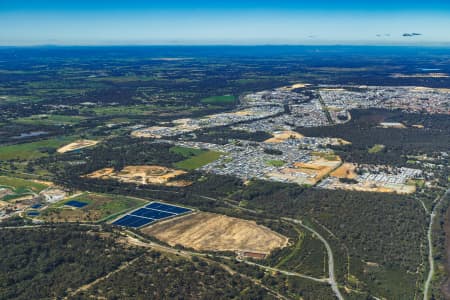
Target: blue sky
{"x":100,"y":22}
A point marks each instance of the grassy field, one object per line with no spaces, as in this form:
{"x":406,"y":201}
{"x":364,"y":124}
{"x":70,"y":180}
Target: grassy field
{"x":120,"y":110}
{"x":32,"y":150}
{"x":219,"y":100}
{"x":21,"y":185}
{"x":199,"y":160}
{"x":185,"y":151}
{"x":100,"y":207}
{"x":377,"y":148}
{"x":275,"y":163}
{"x":50,"y":120}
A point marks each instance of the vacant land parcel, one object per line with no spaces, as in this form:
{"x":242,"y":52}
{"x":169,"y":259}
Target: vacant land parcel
{"x":157,"y":175}
{"x":213,"y":232}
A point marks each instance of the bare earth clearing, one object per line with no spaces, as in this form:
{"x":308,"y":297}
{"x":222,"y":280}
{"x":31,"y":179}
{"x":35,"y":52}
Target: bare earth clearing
{"x":80,"y":144}
{"x":142,"y":175}
{"x":213,"y":232}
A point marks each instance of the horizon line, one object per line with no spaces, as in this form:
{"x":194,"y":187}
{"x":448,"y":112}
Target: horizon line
{"x":412,"y":45}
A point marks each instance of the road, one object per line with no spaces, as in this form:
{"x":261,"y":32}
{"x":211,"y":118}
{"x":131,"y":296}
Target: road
{"x":430,"y":247}
{"x":331,"y":274}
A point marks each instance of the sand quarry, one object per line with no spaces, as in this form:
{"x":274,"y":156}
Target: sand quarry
{"x":214,"y":232}
{"x":80,"y":144}
{"x":158,"y":175}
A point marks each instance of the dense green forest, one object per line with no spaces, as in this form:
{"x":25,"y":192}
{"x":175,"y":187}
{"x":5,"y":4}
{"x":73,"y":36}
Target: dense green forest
{"x":48,"y":262}
{"x":157,"y":276}
{"x":363,"y":131}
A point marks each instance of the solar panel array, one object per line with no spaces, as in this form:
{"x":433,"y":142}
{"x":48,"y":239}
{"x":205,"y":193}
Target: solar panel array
{"x":150,"y":213}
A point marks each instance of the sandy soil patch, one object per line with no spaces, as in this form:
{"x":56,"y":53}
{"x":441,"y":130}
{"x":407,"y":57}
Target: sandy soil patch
{"x":142,"y":175}
{"x":213,"y":232}
{"x":392,"y":125}
{"x":306,"y":173}
{"x":281,"y":136}
{"x":370,"y":186}
{"x":80,"y":144}
{"x":347,"y":170}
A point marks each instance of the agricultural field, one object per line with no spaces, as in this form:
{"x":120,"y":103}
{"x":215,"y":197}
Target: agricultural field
{"x":99,"y":207}
{"x":214,"y":232}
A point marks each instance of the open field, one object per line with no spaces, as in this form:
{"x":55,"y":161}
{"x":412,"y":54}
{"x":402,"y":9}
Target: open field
{"x":50,"y":120}
{"x":142,"y":175}
{"x":99,"y":207}
{"x":213,"y":232}
{"x":185,"y":151}
{"x":219,"y":100}
{"x":80,"y":144}
{"x":198,"y":161}
{"x":376,"y":148}
{"x":281,"y":136}
{"x":32,"y":150}
{"x":21,"y":185}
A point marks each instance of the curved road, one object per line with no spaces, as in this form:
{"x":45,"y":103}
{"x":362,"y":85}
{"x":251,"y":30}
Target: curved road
{"x":332,"y":277}
{"x":430,"y":247}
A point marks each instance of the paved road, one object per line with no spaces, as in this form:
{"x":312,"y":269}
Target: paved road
{"x":331,"y":275}
{"x":430,"y":247}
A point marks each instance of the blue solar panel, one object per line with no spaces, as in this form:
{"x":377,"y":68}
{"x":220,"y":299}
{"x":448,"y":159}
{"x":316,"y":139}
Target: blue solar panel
{"x":168,"y":208}
{"x":35,"y":206}
{"x":132,"y":221}
{"x":33,"y":213}
{"x":75,"y":203}
{"x":151,"y":213}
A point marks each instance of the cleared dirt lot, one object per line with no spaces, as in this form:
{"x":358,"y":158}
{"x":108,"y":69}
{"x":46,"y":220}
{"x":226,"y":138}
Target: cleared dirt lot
{"x":142,"y":175}
{"x":80,"y":144}
{"x":213,"y":232}
{"x":281,"y":136}
{"x":347,"y":170}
